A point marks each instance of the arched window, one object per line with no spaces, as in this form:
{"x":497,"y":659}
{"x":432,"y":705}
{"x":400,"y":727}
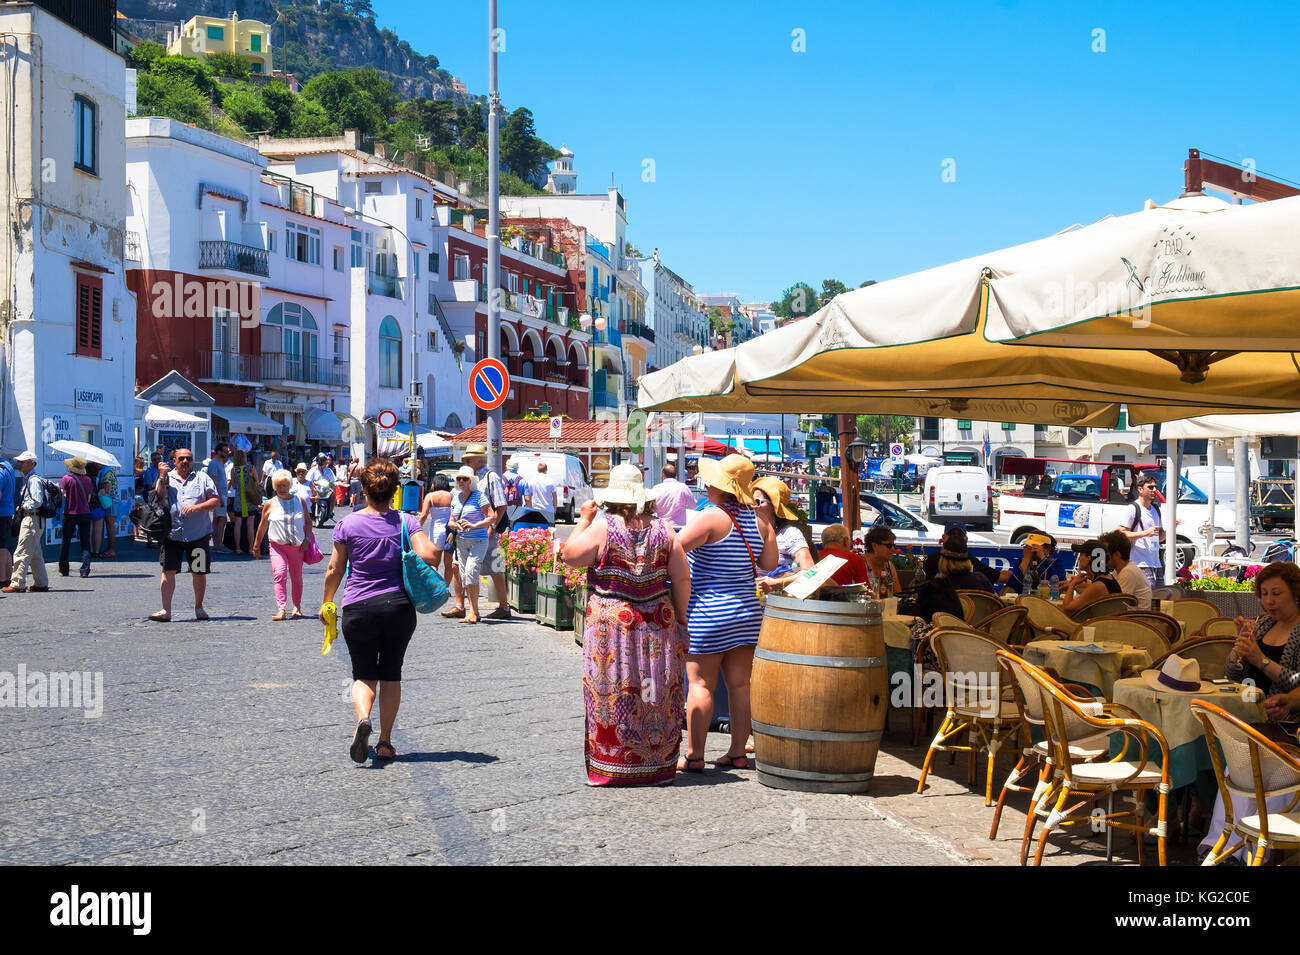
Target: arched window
{"x":390,"y":353}
{"x":299,"y":341}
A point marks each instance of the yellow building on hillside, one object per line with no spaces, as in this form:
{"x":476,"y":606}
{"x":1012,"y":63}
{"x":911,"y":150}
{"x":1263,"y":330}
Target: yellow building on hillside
{"x":200,"y":36}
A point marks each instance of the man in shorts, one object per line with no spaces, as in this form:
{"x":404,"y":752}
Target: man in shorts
{"x":489,"y":482}
{"x":193,"y":498}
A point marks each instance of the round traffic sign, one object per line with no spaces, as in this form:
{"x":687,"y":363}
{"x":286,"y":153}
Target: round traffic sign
{"x":489,"y":384}
{"x":895,"y":450}
{"x":386,"y":419}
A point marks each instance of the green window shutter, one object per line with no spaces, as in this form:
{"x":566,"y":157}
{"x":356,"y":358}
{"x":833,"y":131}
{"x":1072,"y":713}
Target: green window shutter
{"x":255,"y":42}
{"x":216,"y":33}
{"x":1122,"y":423}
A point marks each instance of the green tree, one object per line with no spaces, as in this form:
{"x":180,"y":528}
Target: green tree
{"x":521,"y":151}
{"x":436,"y":118}
{"x":359,"y":99}
{"x":142,"y":55}
{"x":882,"y":429}
{"x":185,"y":69}
{"x":230,"y":65}
{"x":175,"y":98}
{"x":831,"y":288}
{"x":867,"y":282}
{"x":310,"y":119}
{"x":249,"y":110}
{"x":471,"y":123}
{"x":799,"y":299}
{"x":282,"y":102}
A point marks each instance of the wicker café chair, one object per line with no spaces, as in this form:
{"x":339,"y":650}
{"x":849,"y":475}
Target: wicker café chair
{"x":1007,"y":625}
{"x":1193,"y":612}
{"x":1210,"y":652}
{"x":1170,"y":592}
{"x":1170,"y":628}
{"x":984,"y":603}
{"x":977,"y":709}
{"x":1246,"y":763}
{"x":1030,"y":701}
{"x":1103,"y":606}
{"x":1046,"y":620}
{"x":1076,"y":784}
{"x":1219,"y":627}
{"x":967,"y":608}
{"x":1124,"y":629}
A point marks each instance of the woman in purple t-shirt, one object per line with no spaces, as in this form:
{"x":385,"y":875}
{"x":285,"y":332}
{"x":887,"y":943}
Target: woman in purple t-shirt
{"x":377,"y":619}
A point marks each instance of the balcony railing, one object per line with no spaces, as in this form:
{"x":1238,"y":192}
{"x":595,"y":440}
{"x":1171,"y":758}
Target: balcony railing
{"x":630,"y":390}
{"x":233,"y":257}
{"x":230,"y":366}
{"x":297,"y":369}
{"x":386,"y":285}
{"x":610,"y":336}
{"x":638,"y":330}
{"x":131,"y":246}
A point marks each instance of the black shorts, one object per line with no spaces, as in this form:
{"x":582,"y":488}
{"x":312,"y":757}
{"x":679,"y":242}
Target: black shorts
{"x":377,"y":631}
{"x":197,"y":554}
{"x":6,"y":528}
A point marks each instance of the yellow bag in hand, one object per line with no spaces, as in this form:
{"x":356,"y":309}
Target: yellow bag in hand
{"x":331,"y":613}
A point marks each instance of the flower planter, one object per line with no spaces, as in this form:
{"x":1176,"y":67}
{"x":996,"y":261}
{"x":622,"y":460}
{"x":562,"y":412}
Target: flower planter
{"x":579,"y":613}
{"x":554,"y":602}
{"x":521,"y":590}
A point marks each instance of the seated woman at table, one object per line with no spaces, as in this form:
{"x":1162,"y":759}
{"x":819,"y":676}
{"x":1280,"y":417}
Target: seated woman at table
{"x":1267,"y":649}
{"x":955,"y":573}
{"x":1090,"y":579}
{"x":1039,"y":562}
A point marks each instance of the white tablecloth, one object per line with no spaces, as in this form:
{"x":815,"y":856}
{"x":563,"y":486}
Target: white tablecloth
{"x":1095,"y":669}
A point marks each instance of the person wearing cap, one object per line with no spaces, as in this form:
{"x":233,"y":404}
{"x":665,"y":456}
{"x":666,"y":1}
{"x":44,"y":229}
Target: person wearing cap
{"x":635,"y":641}
{"x":1128,"y":575}
{"x":952,"y":531}
{"x":1091,"y":578}
{"x":472,"y":518}
{"x":494,"y":492}
{"x":956,"y":572}
{"x":772,"y":503}
{"x":1039,"y":561}
{"x":31,"y":529}
{"x":728,"y":547}
{"x":301,"y":487}
{"x":77,"y":492}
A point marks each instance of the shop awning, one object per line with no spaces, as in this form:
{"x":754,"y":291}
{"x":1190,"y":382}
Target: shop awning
{"x":247,"y":420}
{"x":764,"y":445}
{"x":323,"y":425}
{"x":162,"y":418}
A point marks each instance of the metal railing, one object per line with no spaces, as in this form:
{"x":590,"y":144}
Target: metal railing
{"x":229,"y":366}
{"x":94,"y":18}
{"x":233,"y":257}
{"x":297,"y":369}
{"x":131,"y":246}
{"x":640,"y":330}
{"x":435,"y":309}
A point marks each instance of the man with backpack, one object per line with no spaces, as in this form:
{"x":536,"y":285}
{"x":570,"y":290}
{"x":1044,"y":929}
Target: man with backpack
{"x":36,"y":500}
{"x":1143,"y":529}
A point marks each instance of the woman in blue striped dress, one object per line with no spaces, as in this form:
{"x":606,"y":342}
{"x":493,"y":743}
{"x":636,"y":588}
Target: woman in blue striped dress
{"x":728,"y":547}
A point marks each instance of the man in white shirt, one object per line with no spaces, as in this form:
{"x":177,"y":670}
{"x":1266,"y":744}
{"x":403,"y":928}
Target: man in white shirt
{"x":270,"y":465}
{"x":1129,"y":576}
{"x":539,"y":493}
{"x":1141,"y":525}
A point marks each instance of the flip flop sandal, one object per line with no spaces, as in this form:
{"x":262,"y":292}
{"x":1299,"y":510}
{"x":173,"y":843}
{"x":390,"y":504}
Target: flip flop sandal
{"x":296,"y":615}
{"x":201,"y":615}
{"x":732,"y":762}
{"x":280,"y":615}
{"x":160,"y":617}
{"x":381,"y":747}
{"x":360,"y":747}
{"x":684,"y":765}
{"x":454,"y":614}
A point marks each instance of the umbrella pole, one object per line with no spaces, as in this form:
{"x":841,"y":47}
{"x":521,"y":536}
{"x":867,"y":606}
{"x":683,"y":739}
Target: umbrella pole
{"x":849,"y":512}
{"x":1173,"y":472}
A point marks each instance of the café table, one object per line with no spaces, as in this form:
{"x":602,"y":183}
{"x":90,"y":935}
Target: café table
{"x":1171,"y":713}
{"x":1099,"y":668}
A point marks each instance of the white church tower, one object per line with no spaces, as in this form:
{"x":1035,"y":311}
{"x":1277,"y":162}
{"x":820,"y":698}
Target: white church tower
{"x":563,"y":178}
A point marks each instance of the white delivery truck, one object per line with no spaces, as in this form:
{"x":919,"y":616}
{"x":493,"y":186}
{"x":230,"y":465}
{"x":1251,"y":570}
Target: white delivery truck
{"x":962,"y":493}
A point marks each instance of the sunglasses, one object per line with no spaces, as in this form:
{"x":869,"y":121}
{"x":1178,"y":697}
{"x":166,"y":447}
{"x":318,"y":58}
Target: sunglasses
{"x":458,"y":480}
{"x":178,"y":460}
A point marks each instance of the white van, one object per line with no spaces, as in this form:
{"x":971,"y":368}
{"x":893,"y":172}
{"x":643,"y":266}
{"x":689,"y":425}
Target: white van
{"x":959,"y":494}
{"x":566,"y":471}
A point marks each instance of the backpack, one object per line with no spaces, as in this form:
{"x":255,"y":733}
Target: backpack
{"x":51,"y":498}
{"x":152,"y":517}
{"x":513,"y":497}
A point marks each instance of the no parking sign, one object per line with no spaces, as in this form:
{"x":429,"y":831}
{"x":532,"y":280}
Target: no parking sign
{"x":489,"y":384}
{"x":896,"y":450}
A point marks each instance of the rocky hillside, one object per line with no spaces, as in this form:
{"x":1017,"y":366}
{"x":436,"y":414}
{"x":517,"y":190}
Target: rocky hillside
{"x":311,"y":38}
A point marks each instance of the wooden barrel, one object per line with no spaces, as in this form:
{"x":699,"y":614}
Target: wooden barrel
{"x":819,"y":694}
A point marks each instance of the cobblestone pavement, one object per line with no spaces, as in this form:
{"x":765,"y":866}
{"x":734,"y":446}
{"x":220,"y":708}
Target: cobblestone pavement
{"x":226,"y":742}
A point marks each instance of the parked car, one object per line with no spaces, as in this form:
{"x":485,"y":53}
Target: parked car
{"x":567,"y":472}
{"x":959,"y":494}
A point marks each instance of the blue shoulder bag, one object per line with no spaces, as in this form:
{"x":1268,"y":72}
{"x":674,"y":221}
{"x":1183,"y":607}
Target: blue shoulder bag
{"x":424,"y":585}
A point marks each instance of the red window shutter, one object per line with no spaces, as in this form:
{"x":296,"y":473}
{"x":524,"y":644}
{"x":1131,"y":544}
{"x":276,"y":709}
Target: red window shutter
{"x":90,"y":292}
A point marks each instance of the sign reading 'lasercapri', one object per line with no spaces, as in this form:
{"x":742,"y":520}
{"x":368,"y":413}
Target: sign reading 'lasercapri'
{"x":87,"y":399}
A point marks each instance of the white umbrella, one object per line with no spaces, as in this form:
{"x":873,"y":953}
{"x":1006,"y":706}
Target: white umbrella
{"x":921,"y":460}
{"x":80,"y":449}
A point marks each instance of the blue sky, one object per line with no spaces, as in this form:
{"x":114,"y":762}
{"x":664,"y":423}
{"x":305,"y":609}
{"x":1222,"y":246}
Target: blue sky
{"x":773,"y":166}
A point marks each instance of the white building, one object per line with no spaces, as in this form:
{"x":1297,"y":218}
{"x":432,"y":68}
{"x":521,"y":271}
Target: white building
{"x":562,"y":180}
{"x":67,"y":320}
{"x":400,"y":338}
{"x":671,"y":312}
{"x":962,"y":441}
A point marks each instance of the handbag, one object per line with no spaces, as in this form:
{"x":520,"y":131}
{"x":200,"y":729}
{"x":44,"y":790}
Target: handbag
{"x":423,"y":584}
{"x":312,"y":554}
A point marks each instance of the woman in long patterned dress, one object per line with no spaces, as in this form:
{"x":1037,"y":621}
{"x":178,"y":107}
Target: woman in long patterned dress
{"x":634,"y":644}
{"x":728,"y":546}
